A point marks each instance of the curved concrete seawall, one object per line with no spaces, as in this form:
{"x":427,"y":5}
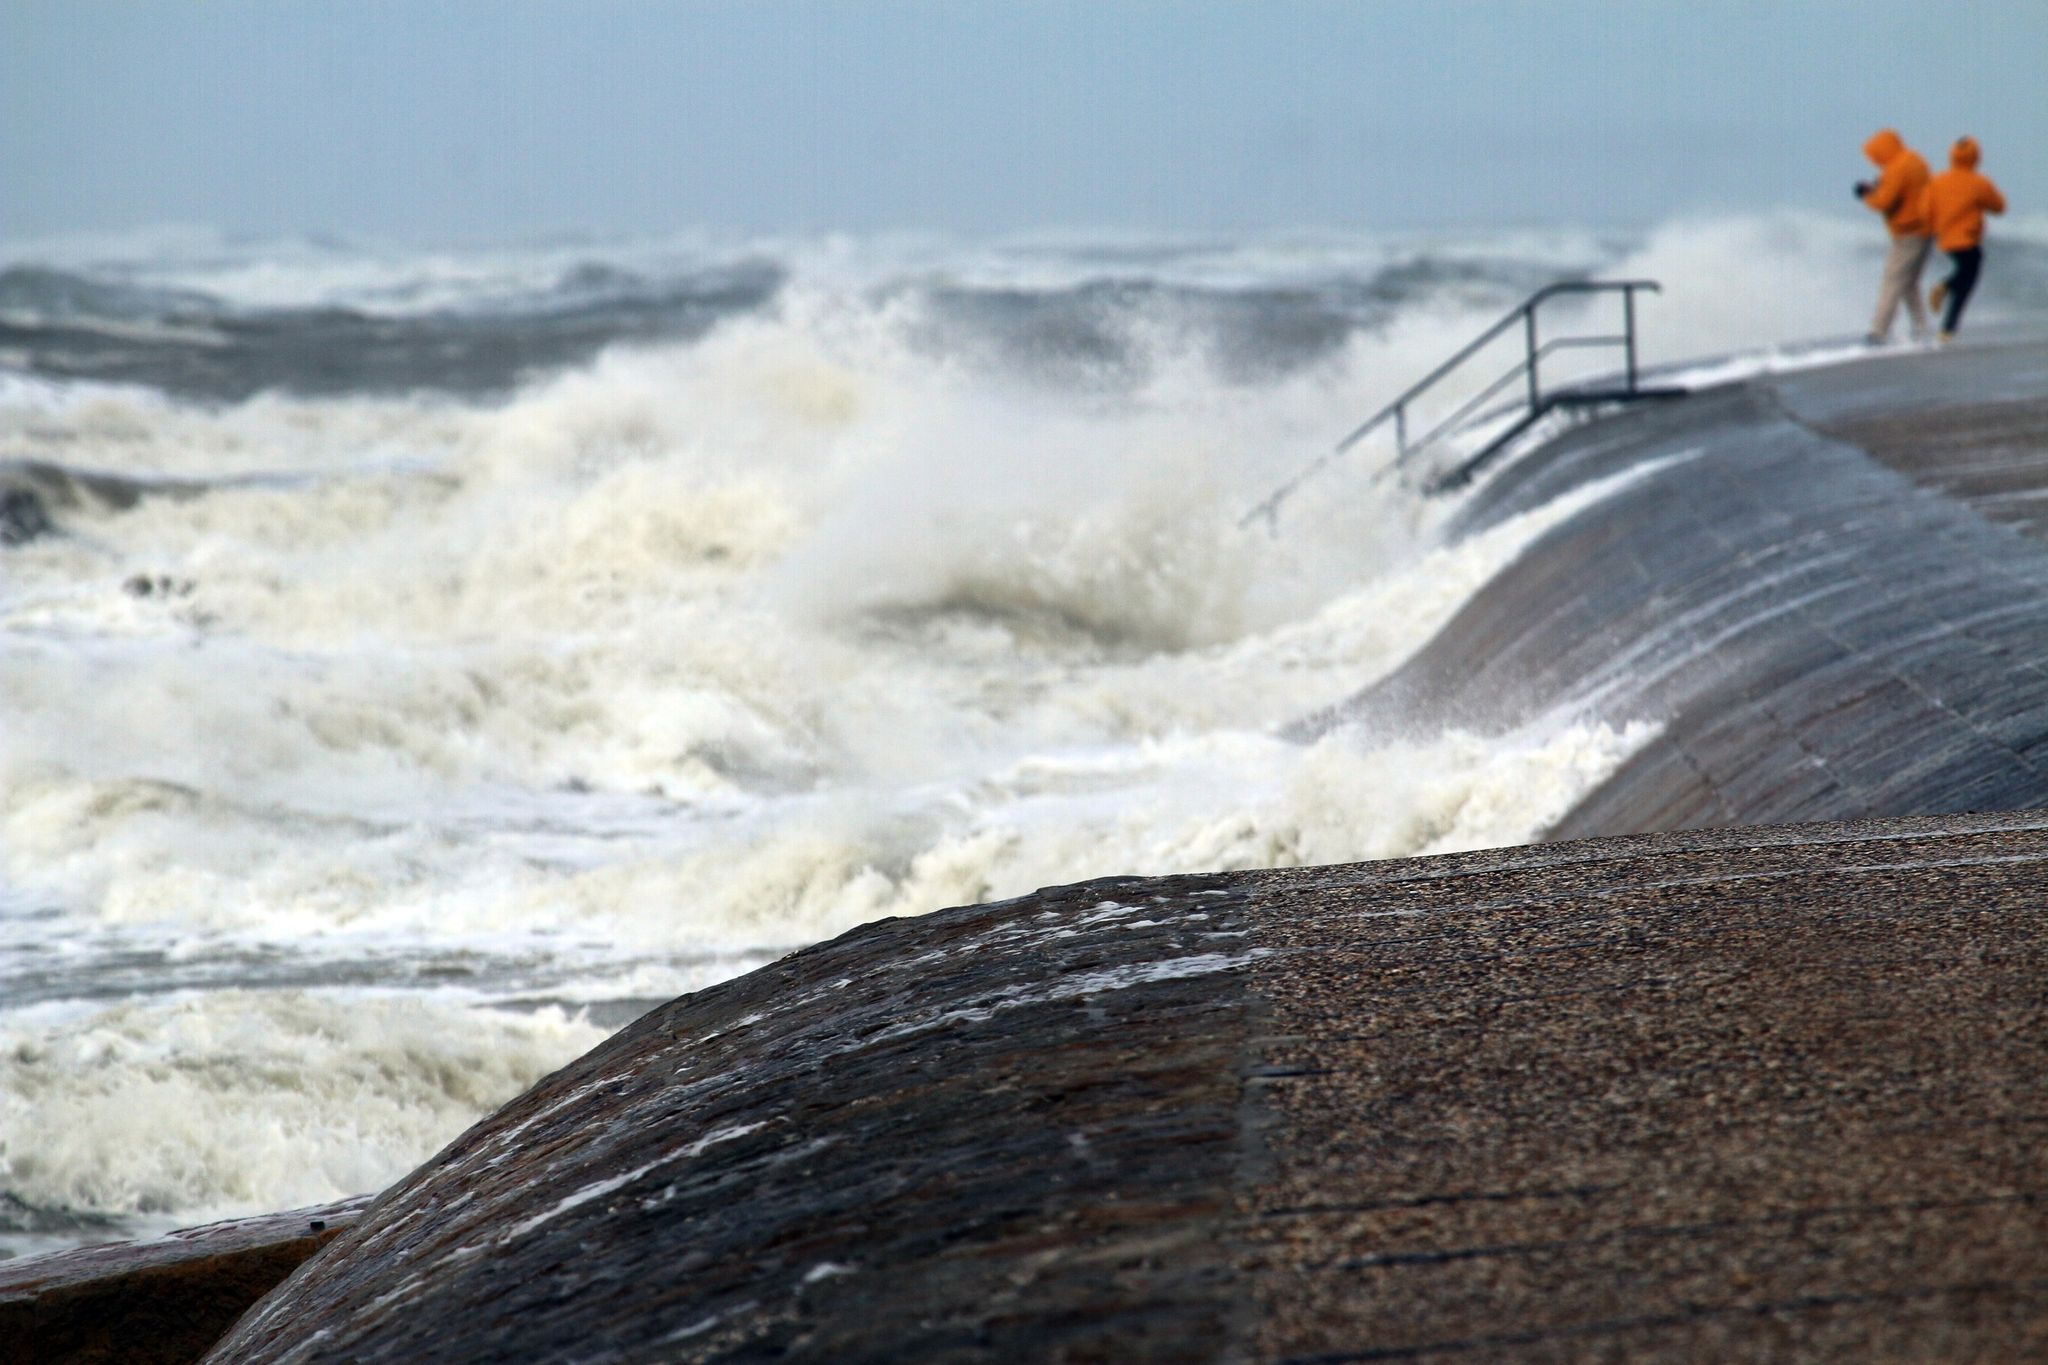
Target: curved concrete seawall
{"x":1829,"y":587}
{"x":1687,"y":1096}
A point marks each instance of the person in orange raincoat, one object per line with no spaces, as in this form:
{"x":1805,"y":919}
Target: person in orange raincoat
{"x":1899,"y":193}
{"x":1957,"y":201}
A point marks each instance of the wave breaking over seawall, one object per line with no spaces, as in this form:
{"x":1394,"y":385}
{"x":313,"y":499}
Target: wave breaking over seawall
{"x":418,"y":663}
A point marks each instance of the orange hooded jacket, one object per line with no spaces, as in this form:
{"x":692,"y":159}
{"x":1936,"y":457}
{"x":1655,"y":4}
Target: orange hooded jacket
{"x":1901,"y":185}
{"x":1959,"y":197}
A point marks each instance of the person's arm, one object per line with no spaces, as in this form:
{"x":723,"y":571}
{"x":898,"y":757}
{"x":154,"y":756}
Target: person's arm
{"x":1994,"y":202}
{"x":1884,"y":195}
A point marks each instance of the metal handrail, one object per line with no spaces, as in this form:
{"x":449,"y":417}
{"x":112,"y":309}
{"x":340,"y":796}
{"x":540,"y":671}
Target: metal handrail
{"x":1472,"y":404}
{"x":1397,"y":411}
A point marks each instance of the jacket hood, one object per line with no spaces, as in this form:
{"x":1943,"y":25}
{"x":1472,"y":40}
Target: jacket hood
{"x":1964,"y":154}
{"x":1883,"y":146}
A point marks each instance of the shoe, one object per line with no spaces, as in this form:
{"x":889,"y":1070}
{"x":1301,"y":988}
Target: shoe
{"x":1937,"y":296}
{"x":1947,"y":337}
{"x":1872,"y":339}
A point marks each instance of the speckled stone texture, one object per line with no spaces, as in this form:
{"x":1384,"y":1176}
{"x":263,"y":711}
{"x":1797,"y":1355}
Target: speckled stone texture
{"x":1736,"y":1096}
{"x":1761,"y":1093}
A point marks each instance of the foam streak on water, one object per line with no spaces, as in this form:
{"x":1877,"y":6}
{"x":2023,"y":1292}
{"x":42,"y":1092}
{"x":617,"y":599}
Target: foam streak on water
{"x":456,"y":652}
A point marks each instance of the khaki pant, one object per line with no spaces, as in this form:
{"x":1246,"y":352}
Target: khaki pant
{"x":1902,"y":283}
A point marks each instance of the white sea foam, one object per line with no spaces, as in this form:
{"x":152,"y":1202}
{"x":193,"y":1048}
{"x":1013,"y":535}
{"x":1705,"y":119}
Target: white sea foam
{"x":235,"y":1102}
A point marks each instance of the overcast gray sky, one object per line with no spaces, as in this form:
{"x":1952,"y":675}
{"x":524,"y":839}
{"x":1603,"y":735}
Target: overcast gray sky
{"x":465,"y":118}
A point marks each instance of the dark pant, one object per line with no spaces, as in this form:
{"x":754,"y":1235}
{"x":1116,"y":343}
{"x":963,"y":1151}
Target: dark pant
{"x":1960,"y":282}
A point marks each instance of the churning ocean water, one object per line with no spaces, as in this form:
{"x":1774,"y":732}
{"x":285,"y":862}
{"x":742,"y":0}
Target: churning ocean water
{"x":414,"y":664}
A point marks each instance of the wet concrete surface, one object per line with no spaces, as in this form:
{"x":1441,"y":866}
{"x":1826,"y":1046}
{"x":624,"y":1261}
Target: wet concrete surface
{"x":1685,"y":1096}
{"x":1828,"y":615}
{"x":164,"y":1301}
{"x":1006,"y":1131}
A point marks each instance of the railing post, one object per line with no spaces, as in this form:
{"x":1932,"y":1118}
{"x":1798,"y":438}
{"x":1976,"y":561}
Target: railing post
{"x":1401,"y":431}
{"x":1628,"y":311}
{"x":1535,"y":387}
